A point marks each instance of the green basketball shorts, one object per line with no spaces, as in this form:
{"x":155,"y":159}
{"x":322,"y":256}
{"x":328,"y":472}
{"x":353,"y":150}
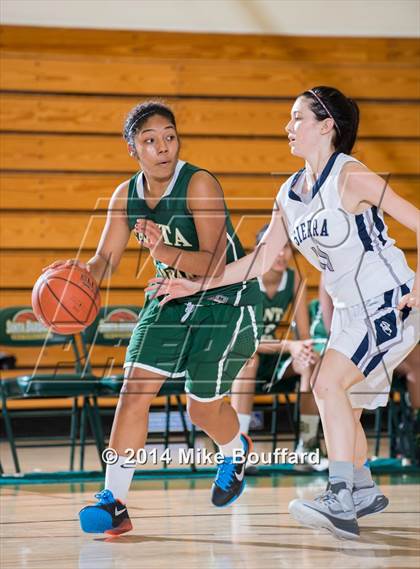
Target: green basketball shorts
{"x":208,"y":345}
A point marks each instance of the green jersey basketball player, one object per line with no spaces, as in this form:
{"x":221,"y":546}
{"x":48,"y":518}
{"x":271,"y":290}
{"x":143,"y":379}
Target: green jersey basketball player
{"x":205,"y":339}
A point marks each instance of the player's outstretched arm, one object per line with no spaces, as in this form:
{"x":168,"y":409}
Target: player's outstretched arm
{"x":253,"y":265}
{"x":368,"y":188}
{"x":113,"y":242}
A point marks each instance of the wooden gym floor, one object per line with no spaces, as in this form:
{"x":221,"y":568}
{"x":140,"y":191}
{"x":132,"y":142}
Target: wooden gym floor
{"x":175,"y":525}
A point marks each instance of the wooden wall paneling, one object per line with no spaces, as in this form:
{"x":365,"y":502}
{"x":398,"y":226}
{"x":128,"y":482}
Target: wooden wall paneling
{"x":91,"y":153}
{"x":222,"y":78}
{"x":83,"y":191}
{"x":96,"y":114}
{"x":178,"y":45}
{"x":24,"y":267}
{"x":79,"y":232}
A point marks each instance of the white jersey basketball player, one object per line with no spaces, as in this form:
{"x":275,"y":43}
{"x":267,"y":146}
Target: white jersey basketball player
{"x":364,"y":273}
{"x":332,"y":211}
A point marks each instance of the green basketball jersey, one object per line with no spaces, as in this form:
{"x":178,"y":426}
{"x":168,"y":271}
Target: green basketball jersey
{"x":178,"y":230}
{"x":274,"y":308}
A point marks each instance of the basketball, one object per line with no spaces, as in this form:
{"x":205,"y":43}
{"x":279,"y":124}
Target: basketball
{"x":66,"y":299}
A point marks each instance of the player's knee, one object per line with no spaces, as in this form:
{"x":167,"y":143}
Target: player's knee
{"x":133,"y":395}
{"x":326,"y":385}
{"x":200,"y":412}
{"x":195,"y":411}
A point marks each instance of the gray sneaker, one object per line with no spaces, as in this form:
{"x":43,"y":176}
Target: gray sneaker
{"x":333,"y":511}
{"x":369,"y":500}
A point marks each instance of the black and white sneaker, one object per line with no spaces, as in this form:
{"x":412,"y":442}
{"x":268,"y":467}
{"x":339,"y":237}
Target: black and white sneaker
{"x":369,"y":500}
{"x":333,"y":510}
{"x":230,"y":479}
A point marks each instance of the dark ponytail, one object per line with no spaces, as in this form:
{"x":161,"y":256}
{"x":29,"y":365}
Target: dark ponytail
{"x":328,"y":102}
{"x":353,"y":128}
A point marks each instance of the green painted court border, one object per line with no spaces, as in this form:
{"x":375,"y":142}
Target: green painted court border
{"x":378,"y":466}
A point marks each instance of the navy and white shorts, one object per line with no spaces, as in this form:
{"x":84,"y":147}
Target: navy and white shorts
{"x":377,"y":337}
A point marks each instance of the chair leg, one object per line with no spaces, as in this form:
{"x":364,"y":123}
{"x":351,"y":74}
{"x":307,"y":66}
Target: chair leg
{"x":408,"y":424}
{"x":9,"y":433}
{"x":193,"y":436}
{"x":167,"y":426}
{"x":378,"y":426}
{"x":97,"y":417}
{"x":95,"y":432}
{"x":82,"y":434}
{"x":93,"y":421}
{"x":297,"y":417}
{"x":409,"y":414}
{"x":391,"y":435}
{"x":188,"y":441}
{"x":73,"y":432}
{"x":289,"y":415}
{"x":274,"y":422}
{"x":405,"y":427}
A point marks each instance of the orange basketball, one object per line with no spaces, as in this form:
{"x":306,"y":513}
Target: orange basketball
{"x":66,"y":299}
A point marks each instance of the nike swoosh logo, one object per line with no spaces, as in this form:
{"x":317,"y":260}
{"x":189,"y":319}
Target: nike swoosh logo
{"x":118,"y":513}
{"x":128,"y":464}
{"x":240,"y":476}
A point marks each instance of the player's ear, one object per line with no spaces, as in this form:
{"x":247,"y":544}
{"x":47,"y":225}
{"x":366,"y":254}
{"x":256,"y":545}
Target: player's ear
{"x":132,"y":150}
{"x":327,"y":126}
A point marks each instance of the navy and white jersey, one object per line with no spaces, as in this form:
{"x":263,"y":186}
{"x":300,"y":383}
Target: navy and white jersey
{"x":358,"y":258}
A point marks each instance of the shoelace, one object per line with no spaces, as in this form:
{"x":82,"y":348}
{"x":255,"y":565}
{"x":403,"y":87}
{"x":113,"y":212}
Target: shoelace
{"x":225,"y":473}
{"x":327,"y":497}
{"x":105,"y":497}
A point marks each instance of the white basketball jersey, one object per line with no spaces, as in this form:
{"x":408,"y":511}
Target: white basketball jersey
{"x":358,"y":258}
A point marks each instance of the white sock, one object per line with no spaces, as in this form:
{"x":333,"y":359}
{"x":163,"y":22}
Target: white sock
{"x":118,"y":478}
{"x":235,"y":444}
{"x":308,"y":427}
{"x":244,"y":421}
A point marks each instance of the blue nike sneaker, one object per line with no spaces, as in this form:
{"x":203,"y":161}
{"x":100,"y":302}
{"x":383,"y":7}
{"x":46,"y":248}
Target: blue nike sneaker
{"x":108,"y":516}
{"x":230,"y":479}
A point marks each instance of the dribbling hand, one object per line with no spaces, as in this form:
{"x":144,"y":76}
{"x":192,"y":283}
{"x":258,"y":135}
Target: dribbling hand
{"x":67,"y":263}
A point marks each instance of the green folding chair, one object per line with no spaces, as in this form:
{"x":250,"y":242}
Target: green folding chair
{"x":113,"y":328}
{"x":289,"y":388}
{"x":19,"y":329}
